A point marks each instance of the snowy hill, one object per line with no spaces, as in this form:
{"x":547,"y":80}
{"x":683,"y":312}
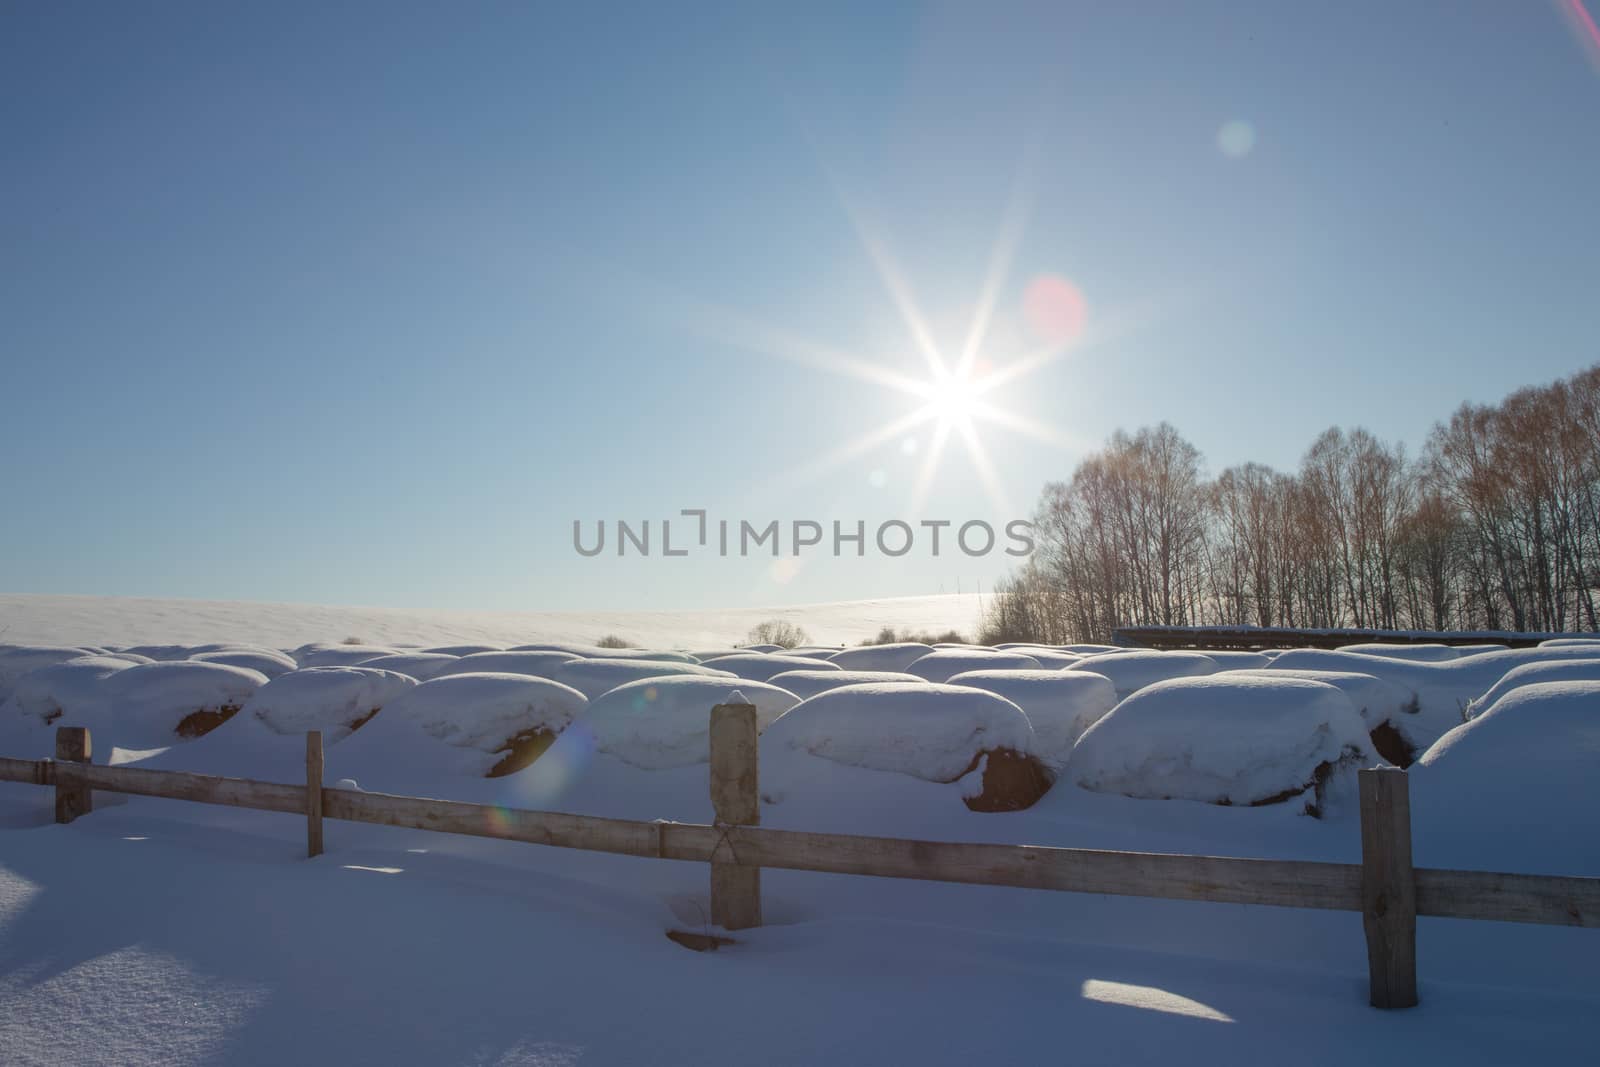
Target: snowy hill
{"x":41,"y":619}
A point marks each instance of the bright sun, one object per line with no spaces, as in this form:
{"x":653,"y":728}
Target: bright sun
{"x":952,"y":398}
{"x":955,"y":397}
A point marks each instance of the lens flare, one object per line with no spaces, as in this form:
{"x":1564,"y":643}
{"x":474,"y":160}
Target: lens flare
{"x":1236,"y":138}
{"x":1055,"y":309}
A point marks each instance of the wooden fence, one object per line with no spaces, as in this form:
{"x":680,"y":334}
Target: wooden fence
{"x":1385,"y":888}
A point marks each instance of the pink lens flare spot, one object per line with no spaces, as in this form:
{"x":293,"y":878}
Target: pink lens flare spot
{"x":1055,"y":309}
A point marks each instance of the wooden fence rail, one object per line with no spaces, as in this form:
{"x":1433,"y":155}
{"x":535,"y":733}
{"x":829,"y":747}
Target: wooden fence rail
{"x":1384,"y":887}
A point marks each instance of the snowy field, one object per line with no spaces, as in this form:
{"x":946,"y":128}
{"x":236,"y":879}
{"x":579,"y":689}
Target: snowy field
{"x":159,"y":932}
{"x":37,"y":619}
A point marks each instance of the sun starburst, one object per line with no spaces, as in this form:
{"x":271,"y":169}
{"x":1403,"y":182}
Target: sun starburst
{"x":953,"y":395}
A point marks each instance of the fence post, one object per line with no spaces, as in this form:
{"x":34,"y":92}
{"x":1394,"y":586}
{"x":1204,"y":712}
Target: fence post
{"x":72,"y":746}
{"x":736,"y":800}
{"x":314,"y":793}
{"x":1388,"y":887}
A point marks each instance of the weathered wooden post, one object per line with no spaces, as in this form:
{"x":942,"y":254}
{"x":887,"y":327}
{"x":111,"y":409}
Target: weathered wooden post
{"x":1388,"y":887}
{"x":314,"y":793}
{"x":72,"y":746}
{"x":736,"y":799}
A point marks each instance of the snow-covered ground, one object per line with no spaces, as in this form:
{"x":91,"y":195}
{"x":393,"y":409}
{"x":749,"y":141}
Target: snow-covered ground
{"x":35,"y":619}
{"x":160,"y":932}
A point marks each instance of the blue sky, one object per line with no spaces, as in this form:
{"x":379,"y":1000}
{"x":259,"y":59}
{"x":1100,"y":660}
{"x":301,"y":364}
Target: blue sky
{"x":366,"y":303}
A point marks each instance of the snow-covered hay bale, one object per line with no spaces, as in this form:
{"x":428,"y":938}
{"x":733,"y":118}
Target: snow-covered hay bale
{"x":268,"y":663}
{"x":162,"y":653}
{"x":533,"y":664}
{"x":1132,"y":671}
{"x":1225,"y":739}
{"x":465,"y":650}
{"x":17,"y":660}
{"x":582,"y":651}
{"x":760,"y":666}
{"x":657,"y":723}
{"x":1048,"y":658}
{"x":1566,"y":670}
{"x":464,"y":725}
{"x":419,"y":665}
{"x":942,"y":664}
{"x":939,"y":733}
{"x":1475,"y":650}
{"x":336,"y":700}
{"x":1094,"y":650}
{"x":126,"y":657}
{"x":60,"y":690}
{"x":1570,"y":642}
{"x":653,"y":655}
{"x":1386,"y":708}
{"x":1227,"y":660}
{"x":596,"y":677}
{"x":701,"y":655}
{"x":808,"y":683}
{"x":1514,"y":788}
{"x":339,"y":655}
{"x":1444,"y":690}
{"x":1060,"y":705}
{"x":155,"y":704}
{"x":892,"y":657}
{"x":1418,"y":653}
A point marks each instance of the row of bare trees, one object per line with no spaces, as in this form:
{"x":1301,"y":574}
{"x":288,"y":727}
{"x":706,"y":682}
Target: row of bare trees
{"x":1496,"y":526}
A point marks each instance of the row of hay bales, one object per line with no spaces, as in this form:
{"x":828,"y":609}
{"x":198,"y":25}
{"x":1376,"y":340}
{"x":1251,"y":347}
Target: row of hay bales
{"x":1227,"y":728}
